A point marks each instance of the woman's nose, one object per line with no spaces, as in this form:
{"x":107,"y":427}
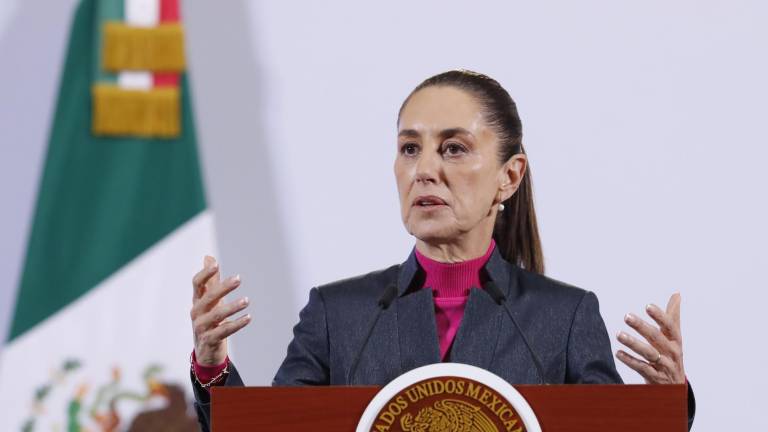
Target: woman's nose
{"x":428,"y":167}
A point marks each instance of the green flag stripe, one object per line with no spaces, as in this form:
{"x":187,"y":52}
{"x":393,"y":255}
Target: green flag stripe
{"x":102,"y":201}
{"x":106,"y":10}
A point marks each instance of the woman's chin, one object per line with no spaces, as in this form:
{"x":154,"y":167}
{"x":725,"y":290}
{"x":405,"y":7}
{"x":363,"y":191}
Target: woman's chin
{"x":431,"y":232}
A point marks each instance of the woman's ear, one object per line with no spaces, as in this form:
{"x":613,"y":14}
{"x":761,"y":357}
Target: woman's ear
{"x":511,"y":175}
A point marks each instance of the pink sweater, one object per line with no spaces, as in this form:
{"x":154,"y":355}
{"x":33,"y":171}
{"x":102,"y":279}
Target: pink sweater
{"x":450,"y":284}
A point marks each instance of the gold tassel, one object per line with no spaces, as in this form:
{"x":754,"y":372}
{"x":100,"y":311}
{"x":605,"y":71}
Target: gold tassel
{"x":156,"y":49}
{"x":141,"y":113}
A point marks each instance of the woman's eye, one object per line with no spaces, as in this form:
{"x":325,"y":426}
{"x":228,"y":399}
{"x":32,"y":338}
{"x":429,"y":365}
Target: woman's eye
{"x":453,"y":149}
{"x":409,"y":149}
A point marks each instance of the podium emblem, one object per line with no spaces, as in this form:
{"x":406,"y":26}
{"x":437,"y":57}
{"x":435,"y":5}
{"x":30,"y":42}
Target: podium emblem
{"x":448,"y":397}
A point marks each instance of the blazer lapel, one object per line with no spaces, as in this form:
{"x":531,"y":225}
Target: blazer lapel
{"x":416,"y":326}
{"x":417,"y":330}
{"x":500,"y":271}
{"x":479,"y":331}
{"x":478,"y":334}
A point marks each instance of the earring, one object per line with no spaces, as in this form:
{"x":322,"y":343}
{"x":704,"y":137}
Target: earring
{"x":501,"y":207}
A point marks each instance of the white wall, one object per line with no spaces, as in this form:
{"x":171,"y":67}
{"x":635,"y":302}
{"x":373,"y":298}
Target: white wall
{"x":643,"y":122}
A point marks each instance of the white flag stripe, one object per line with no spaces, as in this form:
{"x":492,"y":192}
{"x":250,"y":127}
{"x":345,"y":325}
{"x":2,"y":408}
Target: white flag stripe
{"x":142,"y":12}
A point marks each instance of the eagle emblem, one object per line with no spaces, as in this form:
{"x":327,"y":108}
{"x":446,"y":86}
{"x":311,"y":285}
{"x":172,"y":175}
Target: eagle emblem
{"x":448,"y":415}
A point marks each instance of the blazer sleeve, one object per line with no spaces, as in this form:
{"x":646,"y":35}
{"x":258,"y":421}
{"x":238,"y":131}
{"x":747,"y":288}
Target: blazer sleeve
{"x":308,"y":357}
{"x":691,"y":405}
{"x":589,"y":357}
{"x":203,"y":398}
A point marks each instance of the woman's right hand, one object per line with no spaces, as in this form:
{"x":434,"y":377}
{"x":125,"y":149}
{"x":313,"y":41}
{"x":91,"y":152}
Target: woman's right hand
{"x":209,"y":313}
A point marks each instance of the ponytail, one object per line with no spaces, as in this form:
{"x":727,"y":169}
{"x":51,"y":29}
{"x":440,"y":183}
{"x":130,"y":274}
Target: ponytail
{"x":516,"y":231}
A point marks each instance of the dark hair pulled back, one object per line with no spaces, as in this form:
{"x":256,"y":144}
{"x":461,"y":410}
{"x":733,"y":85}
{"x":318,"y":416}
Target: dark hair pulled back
{"x":516,"y":231}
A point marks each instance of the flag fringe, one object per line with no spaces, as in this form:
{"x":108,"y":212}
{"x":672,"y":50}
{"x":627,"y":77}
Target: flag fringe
{"x":156,"y":49}
{"x":142,"y":113}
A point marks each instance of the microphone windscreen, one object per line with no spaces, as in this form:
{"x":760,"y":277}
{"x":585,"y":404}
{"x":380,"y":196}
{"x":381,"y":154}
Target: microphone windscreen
{"x":493,"y":290}
{"x":389,"y":295}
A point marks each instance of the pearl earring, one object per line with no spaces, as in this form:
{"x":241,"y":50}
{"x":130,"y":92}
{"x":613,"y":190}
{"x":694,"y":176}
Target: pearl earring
{"x":501,"y":205}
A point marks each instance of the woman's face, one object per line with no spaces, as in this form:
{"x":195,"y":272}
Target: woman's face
{"x":448,"y":173}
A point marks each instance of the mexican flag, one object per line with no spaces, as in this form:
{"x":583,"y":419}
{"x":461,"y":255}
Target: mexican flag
{"x":100,"y":335}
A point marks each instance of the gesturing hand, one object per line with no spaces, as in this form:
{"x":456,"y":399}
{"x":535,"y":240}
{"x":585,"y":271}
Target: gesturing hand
{"x":662,"y":356}
{"x":209,"y":313}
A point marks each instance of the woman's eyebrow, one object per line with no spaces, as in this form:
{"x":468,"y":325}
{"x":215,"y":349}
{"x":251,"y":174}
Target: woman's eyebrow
{"x":447,"y":133}
{"x":408,"y":133}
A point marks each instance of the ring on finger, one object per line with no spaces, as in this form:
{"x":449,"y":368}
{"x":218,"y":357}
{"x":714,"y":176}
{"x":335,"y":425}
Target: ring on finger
{"x":657,"y":359}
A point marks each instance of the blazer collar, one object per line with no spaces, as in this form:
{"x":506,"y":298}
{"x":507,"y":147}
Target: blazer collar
{"x":496,"y":268}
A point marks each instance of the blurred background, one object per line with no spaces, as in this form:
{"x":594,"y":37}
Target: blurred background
{"x":644,"y":121}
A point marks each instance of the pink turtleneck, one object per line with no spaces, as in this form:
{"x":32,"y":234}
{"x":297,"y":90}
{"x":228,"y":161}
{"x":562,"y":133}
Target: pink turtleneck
{"x":450,"y":283}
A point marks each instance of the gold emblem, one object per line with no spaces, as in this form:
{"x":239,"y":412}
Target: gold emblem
{"x":448,"y":415}
{"x":448,"y":397}
{"x":447,"y":404}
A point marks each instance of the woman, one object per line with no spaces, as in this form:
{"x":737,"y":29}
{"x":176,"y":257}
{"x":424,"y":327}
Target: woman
{"x":465,"y":195}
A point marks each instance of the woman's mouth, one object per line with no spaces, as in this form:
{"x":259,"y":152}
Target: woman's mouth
{"x":429,"y":202}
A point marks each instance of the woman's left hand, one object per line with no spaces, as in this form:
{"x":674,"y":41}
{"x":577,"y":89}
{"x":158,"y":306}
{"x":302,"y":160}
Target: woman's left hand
{"x":661,"y":358}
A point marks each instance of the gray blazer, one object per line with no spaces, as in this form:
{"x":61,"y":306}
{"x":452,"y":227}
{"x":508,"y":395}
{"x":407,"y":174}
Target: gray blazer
{"x":562,"y":324}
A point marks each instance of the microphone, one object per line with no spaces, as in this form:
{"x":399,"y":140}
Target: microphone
{"x":501,"y":300}
{"x":383,"y":303}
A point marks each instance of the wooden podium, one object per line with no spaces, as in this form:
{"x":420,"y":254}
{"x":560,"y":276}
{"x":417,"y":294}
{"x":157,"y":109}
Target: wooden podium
{"x":559,"y":408}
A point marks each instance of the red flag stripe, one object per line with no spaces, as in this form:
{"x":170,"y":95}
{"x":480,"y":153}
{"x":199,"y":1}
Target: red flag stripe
{"x":169,"y":12}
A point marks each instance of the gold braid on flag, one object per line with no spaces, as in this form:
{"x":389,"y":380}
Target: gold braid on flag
{"x":142,"y":113}
{"x":156,"y":49}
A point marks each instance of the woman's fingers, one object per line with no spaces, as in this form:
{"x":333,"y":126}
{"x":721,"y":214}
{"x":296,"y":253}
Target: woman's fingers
{"x":220,"y":313}
{"x":225,"y":287}
{"x":652,"y":334}
{"x":673,"y":308}
{"x":199,"y":281}
{"x":661,"y":372}
{"x":666,"y":322}
{"x":644,"y":369}
{"x":227,"y":328}
{"x":649,"y":353}
{"x":212,"y":296}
